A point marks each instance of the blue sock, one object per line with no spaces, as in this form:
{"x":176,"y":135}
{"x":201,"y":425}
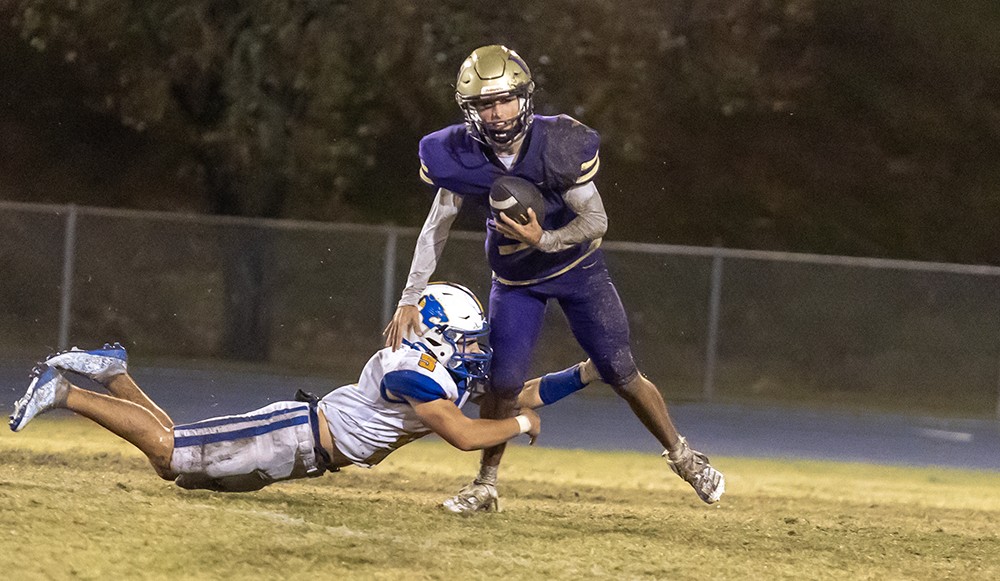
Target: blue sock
{"x":555,"y":386}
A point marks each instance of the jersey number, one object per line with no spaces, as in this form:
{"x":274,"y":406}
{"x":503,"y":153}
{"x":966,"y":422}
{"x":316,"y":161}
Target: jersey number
{"x":427,"y":362}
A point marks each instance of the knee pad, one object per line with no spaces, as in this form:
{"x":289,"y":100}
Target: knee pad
{"x":625,"y":386}
{"x":618,"y":372}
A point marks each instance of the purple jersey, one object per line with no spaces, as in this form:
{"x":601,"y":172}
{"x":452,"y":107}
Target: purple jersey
{"x":557,"y":154}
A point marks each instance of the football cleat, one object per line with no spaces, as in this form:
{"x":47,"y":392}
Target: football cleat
{"x":47,"y":390}
{"x":694,"y":468}
{"x":474,"y":497}
{"x":97,"y":364}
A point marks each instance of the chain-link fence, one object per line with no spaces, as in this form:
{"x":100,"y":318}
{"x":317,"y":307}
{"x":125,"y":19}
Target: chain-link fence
{"x":707,"y":323}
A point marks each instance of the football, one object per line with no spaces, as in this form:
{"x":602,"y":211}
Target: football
{"x":513,"y":196}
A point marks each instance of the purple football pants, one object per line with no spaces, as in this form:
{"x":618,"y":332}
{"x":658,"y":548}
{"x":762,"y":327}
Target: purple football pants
{"x":595,"y":313}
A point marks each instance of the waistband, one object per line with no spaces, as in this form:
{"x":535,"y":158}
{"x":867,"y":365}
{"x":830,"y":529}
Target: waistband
{"x":594,"y":245}
{"x":323,"y":463}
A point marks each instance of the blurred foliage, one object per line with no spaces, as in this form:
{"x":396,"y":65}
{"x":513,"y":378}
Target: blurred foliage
{"x":834,"y":126}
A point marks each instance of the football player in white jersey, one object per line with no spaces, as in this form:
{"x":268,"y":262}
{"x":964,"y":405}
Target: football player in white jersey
{"x":400,"y":396}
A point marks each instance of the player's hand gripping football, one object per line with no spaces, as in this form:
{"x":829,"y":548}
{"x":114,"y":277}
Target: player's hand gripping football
{"x":530,"y":233}
{"x":406,"y":319}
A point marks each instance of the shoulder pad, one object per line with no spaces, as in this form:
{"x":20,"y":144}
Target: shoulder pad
{"x":572,"y":150}
{"x":451,"y":159}
{"x":420,"y":376}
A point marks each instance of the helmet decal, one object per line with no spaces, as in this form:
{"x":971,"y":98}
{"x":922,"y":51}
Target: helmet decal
{"x":517,"y":59}
{"x":432,"y":311}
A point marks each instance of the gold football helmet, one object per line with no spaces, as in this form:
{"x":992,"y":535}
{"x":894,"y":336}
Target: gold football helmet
{"x":494,"y":73}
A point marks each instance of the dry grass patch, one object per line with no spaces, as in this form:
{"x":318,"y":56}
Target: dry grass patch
{"x":77,"y":502}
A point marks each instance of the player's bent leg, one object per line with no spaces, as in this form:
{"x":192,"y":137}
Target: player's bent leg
{"x":599,"y":322}
{"x":694,"y":468}
{"x":109,"y":367}
{"x":49,"y":389}
{"x":129,"y":421}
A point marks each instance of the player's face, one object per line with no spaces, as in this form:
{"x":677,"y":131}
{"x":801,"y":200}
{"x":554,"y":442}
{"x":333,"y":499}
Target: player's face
{"x":470,"y":346}
{"x":499,"y":112}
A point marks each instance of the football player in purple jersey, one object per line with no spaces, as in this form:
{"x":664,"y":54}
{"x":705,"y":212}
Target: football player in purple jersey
{"x":559,"y":258}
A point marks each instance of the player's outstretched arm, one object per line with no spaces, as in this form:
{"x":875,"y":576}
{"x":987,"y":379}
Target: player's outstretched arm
{"x":552,"y":387}
{"x":430,"y":244}
{"x":446,"y":420}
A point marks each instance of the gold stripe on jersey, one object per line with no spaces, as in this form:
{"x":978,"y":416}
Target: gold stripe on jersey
{"x":589,"y":169}
{"x":506,"y":249}
{"x":424,"y":175}
{"x":594,"y":245}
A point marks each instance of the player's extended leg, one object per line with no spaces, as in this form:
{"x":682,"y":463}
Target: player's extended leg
{"x":515,"y":323}
{"x":598,"y":321}
{"x":109,"y":367}
{"x":49,"y":390}
{"x":124,"y":387}
{"x":648,"y":405}
{"x":604,"y":336}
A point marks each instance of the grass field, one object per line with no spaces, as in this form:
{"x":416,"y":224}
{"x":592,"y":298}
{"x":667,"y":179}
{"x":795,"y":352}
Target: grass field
{"x":76,"y":502}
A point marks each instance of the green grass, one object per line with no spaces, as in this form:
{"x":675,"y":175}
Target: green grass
{"x":76,"y":502}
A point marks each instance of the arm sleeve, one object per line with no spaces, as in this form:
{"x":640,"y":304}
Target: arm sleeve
{"x":430,"y":244}
{"x":591,"y":220}
{"x":411,"y":384}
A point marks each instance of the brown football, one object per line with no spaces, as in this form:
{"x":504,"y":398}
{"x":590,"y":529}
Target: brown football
{"x":513,"y":196}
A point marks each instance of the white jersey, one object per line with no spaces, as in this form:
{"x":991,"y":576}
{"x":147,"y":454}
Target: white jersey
{"x":373,"y":417}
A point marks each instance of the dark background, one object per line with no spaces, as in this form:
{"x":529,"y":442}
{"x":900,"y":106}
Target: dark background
{"x":827,"y":126}
{"x":811,"y":126}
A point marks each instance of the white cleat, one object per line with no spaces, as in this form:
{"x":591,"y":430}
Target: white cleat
{"x":97,"y":364}
{"x":474,"y":497}
{"x":694,"y":468}
{"x":47,"y":390}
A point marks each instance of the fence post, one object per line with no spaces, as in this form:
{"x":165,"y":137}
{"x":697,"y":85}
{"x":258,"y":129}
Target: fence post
{"x":69,"y":256}
{"x":389,"y":276}
{"x":998,"y":396}
{"x":712,"y":347}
